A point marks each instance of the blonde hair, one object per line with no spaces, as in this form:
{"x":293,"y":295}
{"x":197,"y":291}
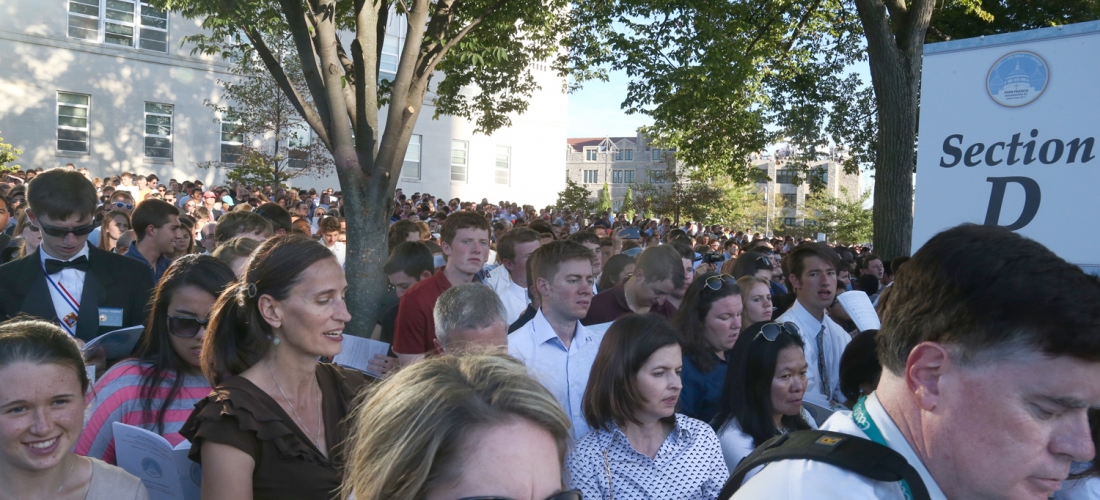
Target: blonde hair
{"x":407,"y":437}
{"x":746,"y":283}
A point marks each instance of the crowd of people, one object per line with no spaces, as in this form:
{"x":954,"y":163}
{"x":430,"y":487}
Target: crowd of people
{"x":535,"y":353}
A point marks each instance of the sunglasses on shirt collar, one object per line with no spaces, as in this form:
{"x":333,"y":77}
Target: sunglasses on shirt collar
{"x":771,"y":331}
{"x":565,"y":495}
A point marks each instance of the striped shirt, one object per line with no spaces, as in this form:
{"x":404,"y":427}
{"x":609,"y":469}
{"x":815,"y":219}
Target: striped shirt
{"x":117,"y":398}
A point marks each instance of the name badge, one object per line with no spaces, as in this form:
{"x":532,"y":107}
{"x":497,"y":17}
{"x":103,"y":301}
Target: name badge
{"x":110,"y":316}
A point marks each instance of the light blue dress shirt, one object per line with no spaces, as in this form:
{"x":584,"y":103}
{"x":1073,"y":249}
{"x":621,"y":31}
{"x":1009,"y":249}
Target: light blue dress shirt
{"x":563,"y":371}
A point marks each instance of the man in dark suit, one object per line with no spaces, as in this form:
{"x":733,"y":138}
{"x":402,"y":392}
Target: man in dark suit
{"x":86,"y":290}
{"x":5,"y":216}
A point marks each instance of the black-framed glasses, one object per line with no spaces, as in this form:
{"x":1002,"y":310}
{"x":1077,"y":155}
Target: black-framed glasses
{"x":715,"y":282}
{"x":121,"y":204}
{"x":61,"y":232}
{"x":185,"y":327}
{"x":565,"y":495}
{"x":771,"y":331}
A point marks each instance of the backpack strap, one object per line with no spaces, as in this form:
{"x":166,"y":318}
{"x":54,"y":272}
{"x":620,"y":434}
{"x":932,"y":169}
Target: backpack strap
{"x":851,"y":453}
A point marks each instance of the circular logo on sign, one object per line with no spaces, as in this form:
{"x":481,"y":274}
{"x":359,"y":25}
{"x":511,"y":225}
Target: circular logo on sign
{"x":1017,"y":79}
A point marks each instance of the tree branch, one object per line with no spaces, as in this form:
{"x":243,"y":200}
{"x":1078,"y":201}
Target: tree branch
{"x":311,"y":68}
{"x":283,"y":81}
{"x":801,"y":24}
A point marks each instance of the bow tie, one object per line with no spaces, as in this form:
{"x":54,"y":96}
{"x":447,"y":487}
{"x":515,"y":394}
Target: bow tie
{"x":56,"y":266}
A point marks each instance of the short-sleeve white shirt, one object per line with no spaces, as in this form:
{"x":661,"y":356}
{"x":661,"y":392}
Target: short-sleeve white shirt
{"x":815,"y":480}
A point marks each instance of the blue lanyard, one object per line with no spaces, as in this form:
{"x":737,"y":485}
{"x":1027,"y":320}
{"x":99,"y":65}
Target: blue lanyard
{"x":868,"y":426}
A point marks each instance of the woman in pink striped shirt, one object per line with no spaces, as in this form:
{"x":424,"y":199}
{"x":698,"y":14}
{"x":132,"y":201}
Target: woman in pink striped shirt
{"x":158,"y":389}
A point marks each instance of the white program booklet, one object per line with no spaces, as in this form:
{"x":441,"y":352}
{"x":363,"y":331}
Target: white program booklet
{"x":164,"y":469}
{"x":356,"y":352}
{"x":117,"y":344}
{"x":859,"y":308}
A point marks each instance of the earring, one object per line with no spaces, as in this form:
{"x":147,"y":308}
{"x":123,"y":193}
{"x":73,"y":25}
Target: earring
{"x":276,"y":341}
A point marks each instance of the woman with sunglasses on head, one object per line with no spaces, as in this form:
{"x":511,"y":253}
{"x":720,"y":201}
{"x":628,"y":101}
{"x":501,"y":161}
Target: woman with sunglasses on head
{"x":275,"y":424}
{"x":639,"y":448}
{"x":762,"y":396}
{"x":115,"y":223}
{"x":159,"y":387}
{"x":756,"y":296}
{"x":708,"y":321}
{"x":470,"y":427}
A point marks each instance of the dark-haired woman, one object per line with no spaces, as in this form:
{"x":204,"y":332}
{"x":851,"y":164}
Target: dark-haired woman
{"x":639,"y":448}
{"x":42,"y":387}
{"x":272,"y":427}
{"x":709,"y":322}
{"x":762,"y":397}
{"x":157,"y":390}
{"x":615,"y":271}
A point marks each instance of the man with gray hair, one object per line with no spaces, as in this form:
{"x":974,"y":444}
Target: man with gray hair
{"x":469,"y":315}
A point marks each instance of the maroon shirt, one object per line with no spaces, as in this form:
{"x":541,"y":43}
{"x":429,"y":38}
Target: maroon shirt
{"x":414,"y":331}
{"x":610,"y":304}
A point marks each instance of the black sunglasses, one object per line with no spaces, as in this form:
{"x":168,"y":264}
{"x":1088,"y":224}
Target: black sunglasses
{"x":61,"y":232}
{"x":715,"y":282}
{"x":185,"y":327}
{"x":565,"y":495}
{"x":127,"y":206}
{"x":771,"y":331}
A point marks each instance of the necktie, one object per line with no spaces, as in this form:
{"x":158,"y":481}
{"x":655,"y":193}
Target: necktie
{"x":55,"y":266}
{"x":821,"y":368}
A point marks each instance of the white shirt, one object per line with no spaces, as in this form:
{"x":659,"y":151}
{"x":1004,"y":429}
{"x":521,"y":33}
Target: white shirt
{"x":808,"y":479}
{"x":688,"y":465}
{"x":564,"y":372}
{"x":736,"y":445}
{"x":339,"y":250}
{"x":69,"y":279}
{"x":512,"y":295}
{"x":836,"y":339}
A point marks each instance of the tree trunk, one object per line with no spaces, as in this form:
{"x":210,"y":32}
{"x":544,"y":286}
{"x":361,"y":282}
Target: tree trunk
{"x":366,"y":233}
{"x":895,"y":45}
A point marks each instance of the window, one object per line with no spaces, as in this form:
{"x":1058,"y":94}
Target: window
{"x":119,"y":22}
{"x":591,"y":176}
{"x":790,"y":199}
{"x":624,"y":155}
{"x":590,"y":154}
{"x":72,"y":122}
{"x":790,"y":221}
{"x":84,"y":19}
{"x":298,"y":140}
{"x":785,"y":176}
{"x":659,"y":154}
{"x":504,"y":165}
{"x":617,"y":176}
{"x":823,"y":173}
{"x":158,"y":130}
{"x":154,"y":29}
{"x":396,"y":28}
{"x":410,"y":168}
{"x":232,"y":138}
{"x":628,"y":176}
{"x":459,"y":160}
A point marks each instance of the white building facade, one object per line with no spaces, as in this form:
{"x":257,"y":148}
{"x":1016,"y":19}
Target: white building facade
{"x":106,"y":85}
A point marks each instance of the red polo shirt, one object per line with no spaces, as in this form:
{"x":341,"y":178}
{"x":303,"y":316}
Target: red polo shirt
{"x":610,"y":304}
{"x":414,"y":332}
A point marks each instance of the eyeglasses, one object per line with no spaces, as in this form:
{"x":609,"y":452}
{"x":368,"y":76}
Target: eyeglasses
{"x":565,"y":495}
{"x":127,"y":206}
{"x":715,"y":282}
{"x":771,"y":331}
{"x":61,"y":232}
{"x":185,"y":327}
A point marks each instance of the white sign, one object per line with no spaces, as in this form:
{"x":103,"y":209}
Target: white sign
{"x":1008,"y":136}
